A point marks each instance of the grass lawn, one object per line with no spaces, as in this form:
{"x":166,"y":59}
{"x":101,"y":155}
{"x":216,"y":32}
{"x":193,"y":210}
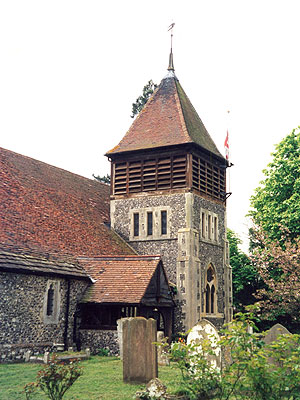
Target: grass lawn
{"x":101,"y":379}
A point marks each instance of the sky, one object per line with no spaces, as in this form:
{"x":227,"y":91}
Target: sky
{"x":70,"y":71}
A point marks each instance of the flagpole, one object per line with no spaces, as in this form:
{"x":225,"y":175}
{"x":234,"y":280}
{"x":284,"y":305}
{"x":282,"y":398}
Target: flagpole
{"x":227,"y":150}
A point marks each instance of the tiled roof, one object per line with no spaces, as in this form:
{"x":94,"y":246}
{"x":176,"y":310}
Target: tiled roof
{"x":33,"y":263}
{"x":119,"y":279}
{"x":50,"y":210}
{"x":168,"y":118}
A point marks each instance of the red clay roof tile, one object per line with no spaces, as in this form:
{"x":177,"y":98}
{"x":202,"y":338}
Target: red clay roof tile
{"x":168,"y":119}
{"x":50,"y":210}
{"x":119,"y":279}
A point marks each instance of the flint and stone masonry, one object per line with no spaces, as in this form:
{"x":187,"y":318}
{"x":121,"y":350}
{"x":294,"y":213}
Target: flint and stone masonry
{"x":24,"y":322}
{"x":187,"y":251}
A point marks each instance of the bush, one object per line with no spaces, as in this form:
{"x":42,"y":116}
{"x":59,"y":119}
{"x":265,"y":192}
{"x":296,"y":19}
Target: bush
{"x":103,"y":352}
{"x":54,"y":379}
{"x":253,"y":369}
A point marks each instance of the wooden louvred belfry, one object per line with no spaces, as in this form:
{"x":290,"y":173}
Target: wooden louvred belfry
{"x":168,"y":148}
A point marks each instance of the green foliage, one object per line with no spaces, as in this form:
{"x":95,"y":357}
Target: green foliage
{"x":142,"y":100}
{"x":278,"y":263}
{"x":253,"y":370}
{"x":102,"y":379}
{"x":54,"y":379}
{"x":245,"y":278}
{"x":102,"y":179}
{"x":276,"y":201}
{"x":103,"y":352}
{"x":200,"y":380}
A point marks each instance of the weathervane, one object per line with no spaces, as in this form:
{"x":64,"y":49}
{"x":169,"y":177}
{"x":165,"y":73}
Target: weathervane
{"x":171,"y":64}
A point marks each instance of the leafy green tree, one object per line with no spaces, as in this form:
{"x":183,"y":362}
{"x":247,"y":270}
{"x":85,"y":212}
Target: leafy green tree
{"x":142,"y":100}
{"x":276,"y":202}
{"x":245,"y":278}
{"x":102,"y":179}
{"x":279,"y":268}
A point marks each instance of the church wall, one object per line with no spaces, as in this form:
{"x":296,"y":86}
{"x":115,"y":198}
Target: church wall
{"x":166,"y":246}
{"x":211,"y":251}
{"x":25,"y":324}
{"x":96,"y":340}
{"x":186,"y":251}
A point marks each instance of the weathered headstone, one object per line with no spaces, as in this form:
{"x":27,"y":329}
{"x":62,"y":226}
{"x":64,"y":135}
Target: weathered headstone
{"x":272,"y":335}
{"x":46,"y":357}
{"x":139,"y":350}
{"x":120,"y":336}
{"x":205,"y":330}
{"x":274,"y":332}
{"x":27,"y":355}
{"x":162,"y":357}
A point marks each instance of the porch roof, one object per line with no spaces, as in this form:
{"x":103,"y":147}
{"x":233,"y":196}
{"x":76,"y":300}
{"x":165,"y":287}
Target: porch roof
{"x":123,"y":279}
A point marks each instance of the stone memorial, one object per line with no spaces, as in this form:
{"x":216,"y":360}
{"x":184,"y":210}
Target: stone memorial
{"x":272,"y":335}
{"x":205,"y":330}
{"x":46,"y":357}
{"x":139,"y":350}
{"x":274,"y":332}
{"x":120,"y":336}
{"x":162,"y":356}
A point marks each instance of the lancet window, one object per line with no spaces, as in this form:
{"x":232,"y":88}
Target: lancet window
{"x":210,"y":291}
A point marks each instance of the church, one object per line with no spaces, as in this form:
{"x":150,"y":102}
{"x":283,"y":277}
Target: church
{"x":76,"y":255}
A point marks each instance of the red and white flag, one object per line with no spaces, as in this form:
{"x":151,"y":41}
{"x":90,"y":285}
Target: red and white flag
{"x":226,"y":146}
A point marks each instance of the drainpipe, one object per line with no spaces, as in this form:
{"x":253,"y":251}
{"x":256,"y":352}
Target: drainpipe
{"x":67,"y":315}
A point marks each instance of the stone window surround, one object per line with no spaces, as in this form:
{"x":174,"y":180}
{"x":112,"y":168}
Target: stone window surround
{"x":216,"y":313}
{"x":209,"y":227}
{"x":156,"y":223}
{"x":54,"y":317}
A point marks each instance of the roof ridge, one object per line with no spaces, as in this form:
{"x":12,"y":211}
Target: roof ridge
{"x":120,"y":257}
{"x":134,"y":121}
{"x":49,"y":165}
{"x":179,"y":107}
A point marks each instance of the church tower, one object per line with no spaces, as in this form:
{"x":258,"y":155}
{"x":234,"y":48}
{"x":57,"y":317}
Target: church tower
{"x":168,"y":193}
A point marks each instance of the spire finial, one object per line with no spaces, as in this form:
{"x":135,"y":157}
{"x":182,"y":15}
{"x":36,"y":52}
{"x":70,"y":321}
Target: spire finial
{"x":171,"y":63}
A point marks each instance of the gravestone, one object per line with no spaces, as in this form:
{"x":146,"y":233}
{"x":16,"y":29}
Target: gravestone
{"x":162,"y":357}
{"x":139,"y":350}
{"x":46,"y":357}
{"x":272,"y":335}
{"x":274,"y":332}
{"x":205,"y":330}
{"x":120,"y":336}
{"x":27,"y":355}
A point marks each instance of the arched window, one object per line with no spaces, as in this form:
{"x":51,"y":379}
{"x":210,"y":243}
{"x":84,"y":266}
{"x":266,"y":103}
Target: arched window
{"x":210,"y":291}
{"x":207,"y":297}
{"x":50,"y":300}
{"x":51,"y":306}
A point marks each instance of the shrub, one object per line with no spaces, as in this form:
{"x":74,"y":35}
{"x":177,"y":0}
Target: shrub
{"x":254,"y":370}
{"x":103,"y":352}
{"x":54,"y":379}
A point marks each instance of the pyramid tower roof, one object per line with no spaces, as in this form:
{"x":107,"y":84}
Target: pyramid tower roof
{"x":168,"y":119}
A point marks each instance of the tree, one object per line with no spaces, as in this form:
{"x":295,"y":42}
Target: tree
{"x":102,"y":179}
{"x":279,"y":267}
{"x":245,"y":278}
{"x":276,"y":202}
{"x":142,"y":100}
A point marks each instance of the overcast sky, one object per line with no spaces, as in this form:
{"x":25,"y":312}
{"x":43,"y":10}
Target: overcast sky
{"x":70,"y":70}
